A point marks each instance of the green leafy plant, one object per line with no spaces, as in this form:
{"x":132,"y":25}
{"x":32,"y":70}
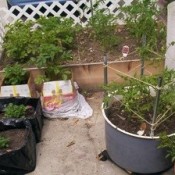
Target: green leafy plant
{"x":15,"y":111}
{"x":40,"y":79}
{"x":57,"y":72}
{"x":142,"y":21}
{"x":14,"y":75}
{"x":45,"y":41}
{"x":17,"y":41}
{"x":4,"y":142}
{"x":103,"y":25}
{"x":53,"y":73}
{"x":51,"y":49}
{"x":137,"y":97}
{"x":168,"y":142}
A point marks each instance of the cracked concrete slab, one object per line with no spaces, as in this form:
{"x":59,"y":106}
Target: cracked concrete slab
{"x":71,"y":147}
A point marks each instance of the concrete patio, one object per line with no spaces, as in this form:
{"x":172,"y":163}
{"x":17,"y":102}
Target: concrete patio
{"x":71,"y":147}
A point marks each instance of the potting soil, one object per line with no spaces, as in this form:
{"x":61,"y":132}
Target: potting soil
{"x":22,"y":160}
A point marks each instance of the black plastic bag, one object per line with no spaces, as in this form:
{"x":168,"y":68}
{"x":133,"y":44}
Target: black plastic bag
{"x":36,"y":120}
{"x":21,"y":160}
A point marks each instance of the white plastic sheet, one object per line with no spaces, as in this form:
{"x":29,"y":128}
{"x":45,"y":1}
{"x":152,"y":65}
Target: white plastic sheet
{"x":74,"y":108}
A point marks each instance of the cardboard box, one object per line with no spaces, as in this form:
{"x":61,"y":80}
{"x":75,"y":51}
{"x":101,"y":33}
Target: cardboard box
{"x":23,"y":90}
{"x":56,"y":93}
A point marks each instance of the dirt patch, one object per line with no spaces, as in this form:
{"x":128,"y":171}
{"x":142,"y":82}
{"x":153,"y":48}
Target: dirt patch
{"x":132,"y":125}
{"x":88,"y":49}
{"x":16,"y":139}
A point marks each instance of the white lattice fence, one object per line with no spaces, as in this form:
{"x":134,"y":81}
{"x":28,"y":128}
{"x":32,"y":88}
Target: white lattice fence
{"x":70,"y":9}
{"x":80,"y":11}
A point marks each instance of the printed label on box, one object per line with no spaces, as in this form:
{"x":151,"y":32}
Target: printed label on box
{"x":57,"y":87}
{"x":16,"y":90}
{"x":57,"y":92}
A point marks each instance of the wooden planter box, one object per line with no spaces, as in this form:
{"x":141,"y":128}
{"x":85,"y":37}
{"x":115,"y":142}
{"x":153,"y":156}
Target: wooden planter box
{"x":90,"y":76}
{"x":25,"y":90}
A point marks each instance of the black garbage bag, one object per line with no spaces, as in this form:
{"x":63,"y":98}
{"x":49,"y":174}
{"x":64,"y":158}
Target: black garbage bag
{"x":36,"y":119}
{"x":21,"y":160}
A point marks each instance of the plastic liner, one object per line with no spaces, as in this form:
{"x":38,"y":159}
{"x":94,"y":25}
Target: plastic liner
{"x":36,"y":119}
{"x":21,"y":160}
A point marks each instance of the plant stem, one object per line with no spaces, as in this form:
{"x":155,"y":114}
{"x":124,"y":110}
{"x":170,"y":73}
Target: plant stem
{"x":131,"y":77}
{"x":142,"y":118}
{"x":155,"y":53}
{"x":164,"y":119}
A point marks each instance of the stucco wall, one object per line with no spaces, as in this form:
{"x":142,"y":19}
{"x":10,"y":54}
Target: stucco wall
{"x":170,"y":55}
{"x":170,"y":59}
{"x":3,"y":3}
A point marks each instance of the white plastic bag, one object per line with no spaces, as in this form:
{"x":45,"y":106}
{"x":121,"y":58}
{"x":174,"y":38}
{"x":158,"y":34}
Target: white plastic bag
{"x":75,"y":108}
{"x":65,"y":102}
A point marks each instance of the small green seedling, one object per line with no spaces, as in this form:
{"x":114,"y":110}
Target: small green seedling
{"x":15,"y":111}
{"x":4,"y":142}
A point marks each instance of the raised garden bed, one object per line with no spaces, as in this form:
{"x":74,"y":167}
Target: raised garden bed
{"x":33,"y":114}
{"x":88,"y":45}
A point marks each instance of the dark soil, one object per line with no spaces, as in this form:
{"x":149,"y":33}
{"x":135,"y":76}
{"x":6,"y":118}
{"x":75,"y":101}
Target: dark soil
{"x":88,"y":49}
{"x":132,"y":125}
{"x":16,"y":137}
